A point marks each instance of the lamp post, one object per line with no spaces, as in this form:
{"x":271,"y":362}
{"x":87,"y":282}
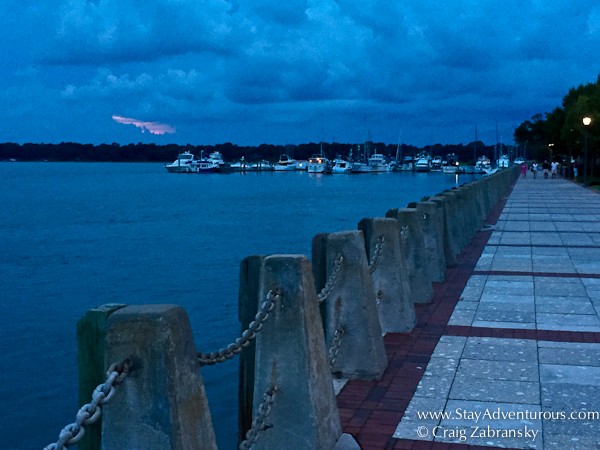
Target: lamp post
{"x":586,"y":122}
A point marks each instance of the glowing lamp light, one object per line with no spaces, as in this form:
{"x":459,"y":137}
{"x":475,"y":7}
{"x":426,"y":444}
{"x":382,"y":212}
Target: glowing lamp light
{"x":587,"y":121}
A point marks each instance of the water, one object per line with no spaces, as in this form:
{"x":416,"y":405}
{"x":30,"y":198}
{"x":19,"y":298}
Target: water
{"x":74,"y":236}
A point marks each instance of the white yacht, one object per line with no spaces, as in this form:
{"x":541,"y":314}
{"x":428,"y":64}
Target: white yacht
{"x":340,"y":166}
{"x":483,"y":165}
{"x":436,"y":163}
{"x":503,"y":161}
{"x":423,"y":162}
{"x":183,"y":163}
{"x":285,"y":163}
{"x":378,"y":163}
{"x":318,"y":164}
{"x":450,"y":163}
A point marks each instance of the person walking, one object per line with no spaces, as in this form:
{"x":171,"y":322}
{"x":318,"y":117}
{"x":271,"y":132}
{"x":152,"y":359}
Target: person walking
{"x":546,"y":168}
{"x":534,"y":169}
{"x":554,"y":169}
{"x":523,"y":170}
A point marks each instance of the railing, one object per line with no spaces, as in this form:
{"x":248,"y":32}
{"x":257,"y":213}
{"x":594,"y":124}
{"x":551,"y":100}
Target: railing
{"x":303,"y":322}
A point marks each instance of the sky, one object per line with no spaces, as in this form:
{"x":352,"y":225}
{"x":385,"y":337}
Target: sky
{"x":206,"y":72}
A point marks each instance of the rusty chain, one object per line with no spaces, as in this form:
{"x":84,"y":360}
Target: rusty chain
{"x":376,"y":255}
{"x":91,"y":412}
{"x":322,"y":296}
{"x":259,"y":423}
{"x":243,"y":341}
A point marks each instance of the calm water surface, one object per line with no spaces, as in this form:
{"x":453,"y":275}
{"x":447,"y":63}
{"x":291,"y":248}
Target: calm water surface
{"x":74,"y":236}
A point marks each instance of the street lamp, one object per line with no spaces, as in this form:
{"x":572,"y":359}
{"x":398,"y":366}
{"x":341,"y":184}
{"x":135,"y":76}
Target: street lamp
{"x":586,"y":122}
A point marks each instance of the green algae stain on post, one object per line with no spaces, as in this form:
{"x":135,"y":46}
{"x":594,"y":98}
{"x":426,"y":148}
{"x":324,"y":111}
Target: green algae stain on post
{"x":91,"y":333}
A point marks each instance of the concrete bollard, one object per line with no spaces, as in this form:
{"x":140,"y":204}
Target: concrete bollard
{"x":291,"y":355}
{"x":389,"y":273}
{"x":431,"y":217}
{"x":248,"y":303}
{"x":446,"y":203}
{"x":350,"y":304}
{"x":162,"y":403}
{"x":91,"y":348}
{"x":473,"y":211}
{"x":413,"y":249}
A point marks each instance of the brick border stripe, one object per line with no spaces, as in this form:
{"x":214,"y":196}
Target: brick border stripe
{"x":371,"y":410}
{"x":536,"y":274}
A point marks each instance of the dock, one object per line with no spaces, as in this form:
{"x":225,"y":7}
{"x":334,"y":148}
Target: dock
{"x":507,"y":354}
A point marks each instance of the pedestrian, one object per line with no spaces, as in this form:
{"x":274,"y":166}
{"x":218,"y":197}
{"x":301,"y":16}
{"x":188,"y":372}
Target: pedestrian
{"x":554,"y":169}
{"x":546,"y":168}
{"x":575,"y":170}
{"x":523,"y":170}
{"x":534,"y":169}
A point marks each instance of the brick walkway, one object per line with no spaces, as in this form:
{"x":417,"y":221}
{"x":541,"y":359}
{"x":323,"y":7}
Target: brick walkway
{"x":508,"y":346}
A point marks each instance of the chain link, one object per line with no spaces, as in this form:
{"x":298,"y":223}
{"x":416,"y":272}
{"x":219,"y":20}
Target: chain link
{"x":322,"y":296}
{"x":259,"y":423}
{"x":376,"y":254}
{"x":335,"y":345}
{"x":91,"y":412}
{"x":207,"y":359}
{"x":404,"y":233}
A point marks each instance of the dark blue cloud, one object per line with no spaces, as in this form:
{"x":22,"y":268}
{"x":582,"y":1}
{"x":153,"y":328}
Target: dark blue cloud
{"x":265,"y":71}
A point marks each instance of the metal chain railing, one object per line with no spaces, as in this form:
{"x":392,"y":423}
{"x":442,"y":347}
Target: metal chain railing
{"x":404,"y":233}
{"x":376,"y":255}
{"x":243,"y":341}
{"x":91,"y":412}
{"x":259,"y":423}
{"x":322,"y":296}
{"x":335,"y":345}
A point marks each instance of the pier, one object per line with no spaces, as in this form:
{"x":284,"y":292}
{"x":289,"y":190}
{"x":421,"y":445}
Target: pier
{"x":513,"y":330}
{"x":465,"y":320}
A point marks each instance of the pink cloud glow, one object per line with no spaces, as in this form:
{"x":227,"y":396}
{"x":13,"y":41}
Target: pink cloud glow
{"x":152,"y":127}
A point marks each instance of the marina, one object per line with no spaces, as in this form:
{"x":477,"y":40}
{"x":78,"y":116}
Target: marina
{"x":319,"y":164}
{"x":76,"y":236}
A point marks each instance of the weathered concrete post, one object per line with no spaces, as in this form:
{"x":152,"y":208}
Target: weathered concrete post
{"x":291,"y":355}
{"x":473,"y":212}
{"x":389,"y":273}
{"x":91,"y":335}
{"x":431,"y":218}
{"x":447,"y":203}
{"x":162,"y":403}
{"x":413,"y":248}
{"x":248,"y":302}
{"x":350,"y":305}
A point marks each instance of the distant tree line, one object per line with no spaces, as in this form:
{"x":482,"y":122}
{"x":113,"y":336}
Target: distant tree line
{"x":140,"y":152}
{"x":560,"y":134}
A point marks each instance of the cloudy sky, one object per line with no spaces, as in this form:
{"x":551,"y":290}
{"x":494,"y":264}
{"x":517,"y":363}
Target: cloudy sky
{"x":288,"y":71}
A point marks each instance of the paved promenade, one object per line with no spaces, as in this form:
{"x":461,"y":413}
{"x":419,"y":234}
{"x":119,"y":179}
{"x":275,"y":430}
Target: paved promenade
{"x":509,"y":348}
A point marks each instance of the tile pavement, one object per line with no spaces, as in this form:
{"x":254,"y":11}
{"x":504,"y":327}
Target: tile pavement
{"x":509,"y":347}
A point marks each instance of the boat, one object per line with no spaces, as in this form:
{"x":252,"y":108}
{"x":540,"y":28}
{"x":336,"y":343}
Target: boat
{"x":407,"y":163}
{"x":204,"y":166}
{"x":285,"y":163}
{"x":262,"y":165}
{"x":360,"y":167}
{"x":450,"y":164}
{"x":301,"y":164}
{"x":242,"y":165}
{"x":378,"y":163}
{"x":483,"y":165}
{"x":503,"y":161}
{"x":341,"y":166}
{"x":217,"y":159}
{"x":423,"y":162}
{"x":318,"y":164}
{"x":183,"y":163}
{"x":437,"y":163}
